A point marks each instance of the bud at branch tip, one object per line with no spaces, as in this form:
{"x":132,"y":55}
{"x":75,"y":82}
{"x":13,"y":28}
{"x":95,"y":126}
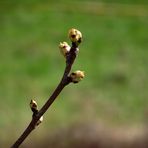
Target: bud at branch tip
{"x":75,"y":36}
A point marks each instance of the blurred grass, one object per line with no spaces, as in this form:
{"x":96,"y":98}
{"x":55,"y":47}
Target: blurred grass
{"x":113,"y":56}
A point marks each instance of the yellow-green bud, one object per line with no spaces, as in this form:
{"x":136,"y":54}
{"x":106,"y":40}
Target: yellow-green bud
{"x":64,"y":48}
{"x":75,"y":36}
{"x":77,"y":76}
{"x":33,"y":106}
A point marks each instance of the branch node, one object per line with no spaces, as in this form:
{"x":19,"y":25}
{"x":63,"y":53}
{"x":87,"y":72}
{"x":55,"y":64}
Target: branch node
{"x":34,"y":108}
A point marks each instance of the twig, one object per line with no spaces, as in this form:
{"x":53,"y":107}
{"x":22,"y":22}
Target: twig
{"x":66,"y":79}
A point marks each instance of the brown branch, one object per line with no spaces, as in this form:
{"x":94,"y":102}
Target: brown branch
{"x":70,"y":57}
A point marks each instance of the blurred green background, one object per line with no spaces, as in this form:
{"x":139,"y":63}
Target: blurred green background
{"x":114,"y":56}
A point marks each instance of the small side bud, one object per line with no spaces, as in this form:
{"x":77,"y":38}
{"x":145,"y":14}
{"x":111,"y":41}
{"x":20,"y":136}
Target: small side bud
{"x":34,"y":106}
{"x":75,"y":36}
{"x":77,"y":76}
{"x":64,"y":48}
{"x":39,"y":121}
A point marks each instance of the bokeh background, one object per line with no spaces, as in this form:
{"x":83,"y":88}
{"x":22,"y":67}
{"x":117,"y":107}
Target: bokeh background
{"x":110,"y":104}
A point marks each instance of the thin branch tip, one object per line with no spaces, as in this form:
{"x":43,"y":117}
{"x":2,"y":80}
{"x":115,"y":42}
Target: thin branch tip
{"x":70,"y":53}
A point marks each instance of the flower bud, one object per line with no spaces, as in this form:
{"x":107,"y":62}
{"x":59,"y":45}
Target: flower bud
{"x":39,"y":121}
{"x":64,"y":48}
{"x":34,"y":106}
{"x":77,"y":76}
{"x":75,"y":36}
